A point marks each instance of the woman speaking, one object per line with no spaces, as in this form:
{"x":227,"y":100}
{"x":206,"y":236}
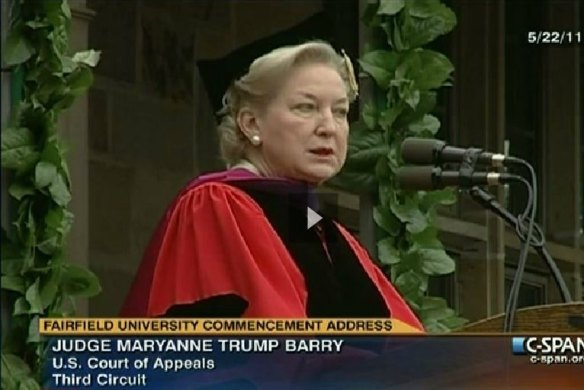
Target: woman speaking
{"x":235,"y":243}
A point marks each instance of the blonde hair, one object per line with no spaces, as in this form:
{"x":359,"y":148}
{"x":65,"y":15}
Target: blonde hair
{"x":262,"y":81}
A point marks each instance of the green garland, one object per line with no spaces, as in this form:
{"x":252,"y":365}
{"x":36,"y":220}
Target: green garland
{"x":406,"y":79}
{"x":35,"y":274}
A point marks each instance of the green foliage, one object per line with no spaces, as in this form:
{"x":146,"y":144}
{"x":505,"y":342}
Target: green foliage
{"x":406,"y":77}
{"x":35,"y":274}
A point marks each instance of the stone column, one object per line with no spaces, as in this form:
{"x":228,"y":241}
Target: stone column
{"x":480,"y":115}
{"x":494,"y":140}
{"x":73,"y":128}
{"x":562,"y":129}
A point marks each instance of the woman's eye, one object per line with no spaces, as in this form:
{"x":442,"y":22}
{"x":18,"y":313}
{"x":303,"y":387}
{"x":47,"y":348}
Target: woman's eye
{"x":341,"y":112}
{"x":305,"y":107}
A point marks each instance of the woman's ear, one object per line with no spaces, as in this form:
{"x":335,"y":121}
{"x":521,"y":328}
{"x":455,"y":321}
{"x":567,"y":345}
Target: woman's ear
{"x":248,"y":122}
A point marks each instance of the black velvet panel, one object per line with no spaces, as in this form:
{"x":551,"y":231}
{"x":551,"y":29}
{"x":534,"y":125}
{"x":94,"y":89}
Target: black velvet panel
{"x":220,"y":306}
{"x":338,"y":289}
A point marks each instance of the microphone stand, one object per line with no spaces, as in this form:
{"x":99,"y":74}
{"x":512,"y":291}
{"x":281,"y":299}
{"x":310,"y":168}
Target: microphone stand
{"x":466,"y":169}
{"x":488,"y":201}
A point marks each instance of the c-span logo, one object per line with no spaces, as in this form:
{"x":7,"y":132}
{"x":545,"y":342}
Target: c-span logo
{"x":550,"y":350}
{"x":518,"y":345}
{"x":547,"y":345}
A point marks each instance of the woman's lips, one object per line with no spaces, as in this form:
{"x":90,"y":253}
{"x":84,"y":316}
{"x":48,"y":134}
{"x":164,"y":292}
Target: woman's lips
{"x":322,"y":151}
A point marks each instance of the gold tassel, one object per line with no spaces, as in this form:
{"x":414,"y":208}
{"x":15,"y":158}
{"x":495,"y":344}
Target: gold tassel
{"x":351,"y":73}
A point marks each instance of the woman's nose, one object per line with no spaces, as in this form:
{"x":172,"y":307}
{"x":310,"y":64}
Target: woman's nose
{"x":326,"y":124}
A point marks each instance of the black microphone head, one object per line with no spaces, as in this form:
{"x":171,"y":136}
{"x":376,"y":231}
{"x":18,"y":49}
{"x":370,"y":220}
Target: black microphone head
{"x":421,"y":150}
{"x":417,"y":178}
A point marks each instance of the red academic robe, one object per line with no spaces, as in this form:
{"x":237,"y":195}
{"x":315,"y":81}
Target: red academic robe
{"x":216,"y":240}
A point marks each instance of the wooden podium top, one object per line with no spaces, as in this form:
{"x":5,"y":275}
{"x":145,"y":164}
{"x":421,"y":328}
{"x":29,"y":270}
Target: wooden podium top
{"x":563,"y":317}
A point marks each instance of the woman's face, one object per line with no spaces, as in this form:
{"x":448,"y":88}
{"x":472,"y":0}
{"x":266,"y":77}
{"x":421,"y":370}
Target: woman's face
{"x":304,"y":128}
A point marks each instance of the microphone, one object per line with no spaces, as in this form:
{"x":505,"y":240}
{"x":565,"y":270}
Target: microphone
{"x":424,"y":151}
{"x":429,"y":178}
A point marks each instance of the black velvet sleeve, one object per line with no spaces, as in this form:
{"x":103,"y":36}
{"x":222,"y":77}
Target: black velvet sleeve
{"x":226,"y":306}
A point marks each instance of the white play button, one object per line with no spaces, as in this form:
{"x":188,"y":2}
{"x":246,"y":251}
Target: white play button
{"x":312,"y":218}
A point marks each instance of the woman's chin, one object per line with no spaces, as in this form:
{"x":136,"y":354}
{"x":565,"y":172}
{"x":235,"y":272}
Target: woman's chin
{"x":319,"y":173}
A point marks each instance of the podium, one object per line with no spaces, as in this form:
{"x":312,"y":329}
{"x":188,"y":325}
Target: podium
{"x":555,"y":318}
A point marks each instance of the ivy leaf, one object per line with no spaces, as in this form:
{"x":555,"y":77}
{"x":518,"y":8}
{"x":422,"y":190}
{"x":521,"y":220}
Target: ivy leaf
{"x":60,"y":40}
{"x":13,"y":283}
{"x":382,"y":170}
{"x":408,"y":69}
{"x":386,"y":192}
{"x":445,"y":197}
{"x":409,"y":213}
{"x":390,"y":7}
{"x":387,"y":117}
{"x":394,"y":158}
{"x":80,"y":80}
{"x":45,"y":173}
{"x":19,"y":190}
{"x":59,"y":220}
{"x":29,"y":383}
{"x":65,"y":171}
{"x":381,"y":65}
{"x":435,"y":261}
{"x":432,"y":315}
{"x":11,"y":257}
{"x":411,"y":284}
{"x":65,"y":9}
{"x":34,"y":299}
{"x":49,"y":244}
{"x":386,"y":220}
{"x":433,"y":303}
{"x":428,"y":125}
{"x":52,"y":7}
{"x":36,"y":24}
{"x":66,"y":222}
{"x":33,"y":331}
{"x":411,"y":97}
{"x":65,"y":102}
{"x":11,"y":266}
{"x":50,"y":286}
{"x":21,"y":306}
{"x":424,"y":21}
{"x":68,"y":65}
{"x":365,"y":148}
{"x":52,"y":153}
{"x":427,"y":239}
{"x":18,"y":148}
{"x":79,"y":281}
{"x":47,"y":87}
{"x":436,"y":70}
{"x":88,"y":57}
{"x":369,"y":116}
{"x":387,"y":253}
{"x":454,"y":322}
{"x":17,"y":49}
{"x":368,"y":157}
{"x":14,"y":370}
{"x":394,"y":35}
{"x":426,"y":104}
{"x":59,"y":191}
{"x":355,"y":182}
